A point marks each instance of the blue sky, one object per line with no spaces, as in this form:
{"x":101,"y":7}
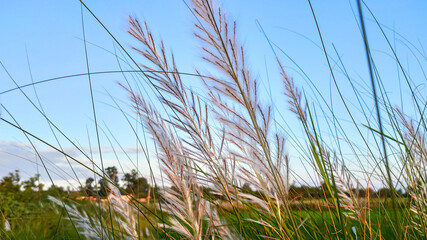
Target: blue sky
{"x":50,"y":34}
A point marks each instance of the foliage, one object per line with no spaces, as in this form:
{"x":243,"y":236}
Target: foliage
{"x":208,"y":144}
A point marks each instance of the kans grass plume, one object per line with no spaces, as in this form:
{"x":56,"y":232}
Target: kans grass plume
{"x":225,"y":137}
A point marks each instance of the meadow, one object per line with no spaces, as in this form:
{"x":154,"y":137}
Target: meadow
{"x":224,"y":167}
{"x":32,"y":215}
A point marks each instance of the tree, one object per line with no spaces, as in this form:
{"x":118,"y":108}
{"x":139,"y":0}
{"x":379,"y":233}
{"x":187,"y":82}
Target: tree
{"x":111,"y":173}
{"x":30,"y":184}
{"x":246,"y":188}
{"x":141,"y":187}
{"x":130,"y":179}
{"x":136,"y":185}
{"x":384,"y":192}
{"x":89,"y":189}
{"x":54,"y":190}
{"x":13,"y":188}
{"x":10,"y":183}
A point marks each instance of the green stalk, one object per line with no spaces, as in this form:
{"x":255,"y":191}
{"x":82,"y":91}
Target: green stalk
{"x":386,"y":162}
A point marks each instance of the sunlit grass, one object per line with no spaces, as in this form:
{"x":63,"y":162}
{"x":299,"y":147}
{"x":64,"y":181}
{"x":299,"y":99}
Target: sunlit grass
{"x":207,"y":144}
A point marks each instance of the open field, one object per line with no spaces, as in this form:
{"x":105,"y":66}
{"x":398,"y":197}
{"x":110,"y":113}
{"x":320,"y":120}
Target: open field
{"x":45,"y":220}
{"x":190,"y":129}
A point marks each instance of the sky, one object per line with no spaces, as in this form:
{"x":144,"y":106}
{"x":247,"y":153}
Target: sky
{"x":44,"y":39}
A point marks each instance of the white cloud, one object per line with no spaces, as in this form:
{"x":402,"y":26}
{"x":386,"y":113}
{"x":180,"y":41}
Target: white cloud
{"x":19,"y":156}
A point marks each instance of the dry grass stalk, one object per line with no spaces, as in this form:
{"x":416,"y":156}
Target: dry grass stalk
{"x":356,"y":207}
{"x":245,"y":122}
{"x":191,"y":114}
{"x":191,"y":120}
{"x":234,"y":94}
{"x":184,"y":200}
{"x":415,"y":166}
{"x":120,"y":209}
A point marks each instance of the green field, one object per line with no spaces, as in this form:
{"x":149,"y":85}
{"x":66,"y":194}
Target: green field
{"x":312,"y":126}
{"x":42,"y":219}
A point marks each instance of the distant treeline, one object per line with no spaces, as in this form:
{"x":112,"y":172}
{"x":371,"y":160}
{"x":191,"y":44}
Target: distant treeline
{"x":320,"y":192}
{"x":11,"y":186}
{"x":14,"y":188}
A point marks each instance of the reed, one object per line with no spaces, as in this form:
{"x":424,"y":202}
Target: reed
{"x":228,"y":135}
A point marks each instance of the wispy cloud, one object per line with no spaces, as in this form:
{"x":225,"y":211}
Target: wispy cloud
{"x":20,"y":156}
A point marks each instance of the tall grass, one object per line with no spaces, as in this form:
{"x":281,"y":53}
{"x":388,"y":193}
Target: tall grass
{"x":227,"y":135}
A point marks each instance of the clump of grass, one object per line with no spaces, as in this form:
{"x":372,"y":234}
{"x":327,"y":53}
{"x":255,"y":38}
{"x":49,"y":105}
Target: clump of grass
{"x":117,"y":217}
{"x":246,"y":143}
{"x":224,"y":137}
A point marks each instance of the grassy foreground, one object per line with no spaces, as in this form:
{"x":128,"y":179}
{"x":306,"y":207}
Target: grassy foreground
{"x":229,"y":135}
{"x":45,"y":220}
